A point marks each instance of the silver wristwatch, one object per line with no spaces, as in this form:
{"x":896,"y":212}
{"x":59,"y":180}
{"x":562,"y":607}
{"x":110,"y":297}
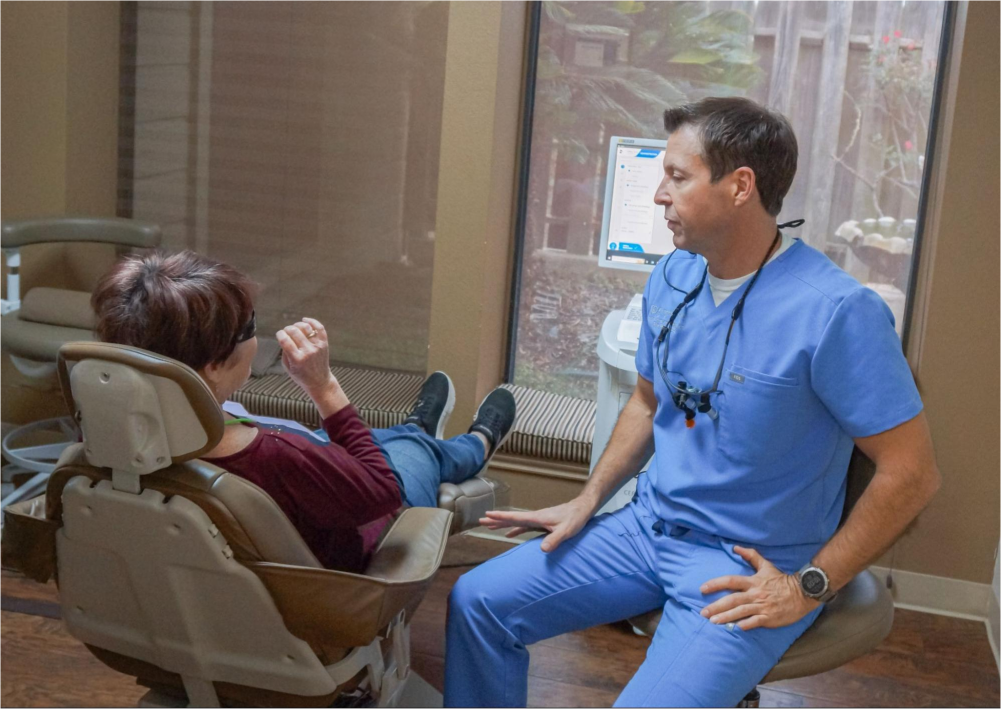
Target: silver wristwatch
{"x":815,"y":584}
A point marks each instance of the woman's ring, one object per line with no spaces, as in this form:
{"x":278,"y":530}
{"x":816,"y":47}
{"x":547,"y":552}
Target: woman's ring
{"x":311,"y":333}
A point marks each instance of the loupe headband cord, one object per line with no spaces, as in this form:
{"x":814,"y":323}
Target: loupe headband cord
{"x":737,"y":310}
{"x":739,"y":307}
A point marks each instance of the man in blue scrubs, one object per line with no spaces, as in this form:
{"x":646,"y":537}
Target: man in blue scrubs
{"x":761,"y":365}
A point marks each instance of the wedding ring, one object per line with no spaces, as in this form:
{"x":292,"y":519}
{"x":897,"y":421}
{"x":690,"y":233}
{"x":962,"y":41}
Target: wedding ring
{"x":312,"y":333}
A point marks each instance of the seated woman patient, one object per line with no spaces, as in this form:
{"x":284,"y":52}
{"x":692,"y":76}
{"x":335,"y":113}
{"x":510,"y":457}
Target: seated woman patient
{"x":339,"y":495}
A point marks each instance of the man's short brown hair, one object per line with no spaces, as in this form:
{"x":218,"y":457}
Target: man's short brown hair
{"x":736,"y":132}
{"x":182,"y":305}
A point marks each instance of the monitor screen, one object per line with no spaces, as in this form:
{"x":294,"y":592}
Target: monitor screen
{"x":634,"y":234}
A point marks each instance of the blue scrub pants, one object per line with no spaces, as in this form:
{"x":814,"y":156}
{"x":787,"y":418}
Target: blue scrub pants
{"x":425,"y":462}
{"x":620,"y":565}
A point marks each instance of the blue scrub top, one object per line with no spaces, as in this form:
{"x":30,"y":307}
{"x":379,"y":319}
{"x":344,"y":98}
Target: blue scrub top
{"x":813,"y":362}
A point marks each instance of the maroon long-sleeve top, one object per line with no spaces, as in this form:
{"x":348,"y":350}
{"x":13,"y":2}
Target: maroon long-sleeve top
{"x":339,"y":496}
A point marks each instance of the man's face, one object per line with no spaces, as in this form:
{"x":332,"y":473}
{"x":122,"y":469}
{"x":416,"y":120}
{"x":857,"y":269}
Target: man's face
{"x":696,"y":209}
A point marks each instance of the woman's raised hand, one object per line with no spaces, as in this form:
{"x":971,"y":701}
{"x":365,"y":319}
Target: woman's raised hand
{"x":306,"y":358}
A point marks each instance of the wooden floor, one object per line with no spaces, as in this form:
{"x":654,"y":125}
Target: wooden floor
{"x":927,"y":660}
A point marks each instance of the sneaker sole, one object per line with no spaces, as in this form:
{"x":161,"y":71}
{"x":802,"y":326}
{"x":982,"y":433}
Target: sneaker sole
{"x":447,"y":411}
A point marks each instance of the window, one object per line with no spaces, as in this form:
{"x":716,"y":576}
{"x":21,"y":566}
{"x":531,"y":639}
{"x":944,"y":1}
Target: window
{"x":299,"y":142}
{"x":856,"y":80}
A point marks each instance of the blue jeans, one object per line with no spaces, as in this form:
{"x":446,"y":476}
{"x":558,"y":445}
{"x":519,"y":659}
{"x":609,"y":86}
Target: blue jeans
{"x":422,"y":462}
{"x":620,"y":565}
{"x":425,"y":462}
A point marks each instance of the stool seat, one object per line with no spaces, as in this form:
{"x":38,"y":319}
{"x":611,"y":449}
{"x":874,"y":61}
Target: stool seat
{"x":850,"y":626}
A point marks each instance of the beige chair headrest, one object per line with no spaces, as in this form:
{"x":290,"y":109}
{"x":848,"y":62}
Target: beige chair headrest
{"x":55,"y":306}
{"x":139,"y":411}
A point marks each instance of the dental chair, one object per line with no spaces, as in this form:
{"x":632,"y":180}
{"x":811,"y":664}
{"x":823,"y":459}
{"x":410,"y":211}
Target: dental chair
{"x":33,"y":331}
{"x":850,"y":626}
{"x":192,"y":579}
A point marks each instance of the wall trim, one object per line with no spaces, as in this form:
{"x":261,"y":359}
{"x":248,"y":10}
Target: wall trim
{"x":937,"y":594}
{"x":993,"y":633}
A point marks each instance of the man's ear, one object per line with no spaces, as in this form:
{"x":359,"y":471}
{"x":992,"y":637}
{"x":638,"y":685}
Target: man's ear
{"x":744,"y":185}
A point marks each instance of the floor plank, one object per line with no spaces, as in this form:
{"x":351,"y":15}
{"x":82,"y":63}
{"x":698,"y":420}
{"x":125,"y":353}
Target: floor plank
{"x":43,"y":666}
{"x":14,"y":585}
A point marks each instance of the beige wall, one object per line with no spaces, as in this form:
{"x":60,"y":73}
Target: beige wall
{"x":476,"y":194}
{"x":92,"y":55}
{"x":955,"y":350}
{"x":59,"y":144}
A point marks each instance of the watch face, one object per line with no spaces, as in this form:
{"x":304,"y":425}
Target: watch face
{"x":813,"y":582}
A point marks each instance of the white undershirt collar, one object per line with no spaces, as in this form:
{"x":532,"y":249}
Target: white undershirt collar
{"x":721,"y":288}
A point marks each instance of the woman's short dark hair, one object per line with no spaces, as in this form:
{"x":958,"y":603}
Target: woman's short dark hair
{"x":736,"y":132}
{"x":181,"y":305}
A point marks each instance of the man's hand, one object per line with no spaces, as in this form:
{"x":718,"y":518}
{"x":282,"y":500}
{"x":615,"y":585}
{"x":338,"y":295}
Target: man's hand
{"x":769,"y":599}
{"x":562,"y":521}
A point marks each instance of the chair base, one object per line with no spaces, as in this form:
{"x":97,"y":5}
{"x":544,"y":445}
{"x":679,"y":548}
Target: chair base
{"x":25,"y":454}
{"x":21,"y":446}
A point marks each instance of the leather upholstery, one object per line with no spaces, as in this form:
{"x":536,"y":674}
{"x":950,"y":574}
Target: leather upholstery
{"x":332,"y":611}
{"x":248,"y":518}
{"x":470,"y":500}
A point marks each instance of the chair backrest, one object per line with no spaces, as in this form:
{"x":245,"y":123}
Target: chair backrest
{"x":147,"y":417}
{"x":153,"y":557}
{"x":139,"y":412}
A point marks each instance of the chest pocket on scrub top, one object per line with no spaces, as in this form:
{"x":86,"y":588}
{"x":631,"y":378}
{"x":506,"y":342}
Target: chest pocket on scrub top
{"x":762,"y":416}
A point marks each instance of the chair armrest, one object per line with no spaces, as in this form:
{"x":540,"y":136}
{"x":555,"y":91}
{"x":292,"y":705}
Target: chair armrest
{"x":121,"y":232}
{"x":328,"y":608}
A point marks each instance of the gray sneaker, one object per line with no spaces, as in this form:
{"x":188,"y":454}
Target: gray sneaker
{"x":434,"y":405}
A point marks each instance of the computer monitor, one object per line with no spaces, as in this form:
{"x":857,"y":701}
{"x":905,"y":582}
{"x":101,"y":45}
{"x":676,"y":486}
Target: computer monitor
{"x":634,"y":234}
